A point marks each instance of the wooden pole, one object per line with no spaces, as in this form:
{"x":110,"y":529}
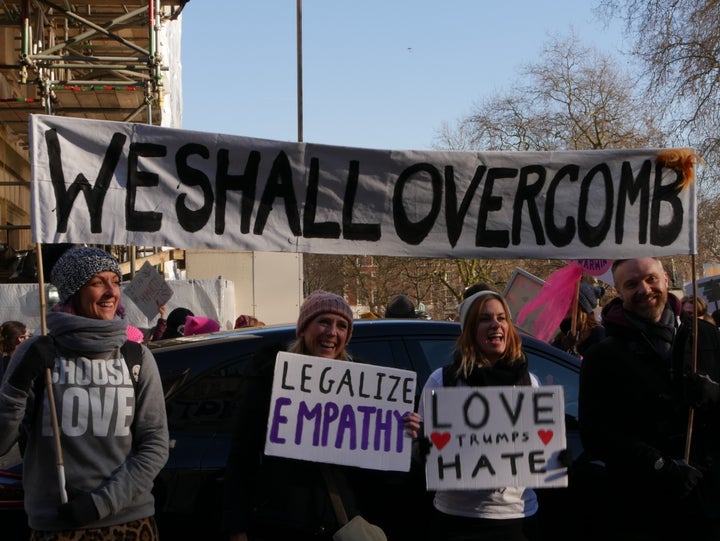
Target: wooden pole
{"x":48,"y":383}
{"x":298,"y":23}
{"x":691,"y":413}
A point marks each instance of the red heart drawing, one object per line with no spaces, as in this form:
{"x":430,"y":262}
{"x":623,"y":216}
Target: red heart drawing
{"x":440,"y":439}
{"x":545,"y":435}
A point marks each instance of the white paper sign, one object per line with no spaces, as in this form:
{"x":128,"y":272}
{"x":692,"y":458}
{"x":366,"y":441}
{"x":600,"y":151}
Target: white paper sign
{"x":494,"y":437}
{"x":148,"y":290}
{"x":340,"y":412}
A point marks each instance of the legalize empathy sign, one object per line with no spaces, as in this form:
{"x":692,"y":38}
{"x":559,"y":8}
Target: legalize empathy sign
{"x":493,"y":437}
{"x":340,"y":412}
{"x":126,"y":183}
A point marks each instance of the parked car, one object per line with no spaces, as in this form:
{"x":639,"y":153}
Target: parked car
{"x":201,"y":378}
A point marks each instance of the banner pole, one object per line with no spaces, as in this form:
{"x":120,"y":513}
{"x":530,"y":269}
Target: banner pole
{"x":48,"y":383}
{"x":691,"y":413}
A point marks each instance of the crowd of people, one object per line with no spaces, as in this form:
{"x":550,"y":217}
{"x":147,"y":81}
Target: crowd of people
{"x":649,"y":414}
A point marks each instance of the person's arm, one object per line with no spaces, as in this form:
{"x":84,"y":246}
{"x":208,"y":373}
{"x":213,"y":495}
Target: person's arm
{"x":18,"y":388}
{"x":161,"y":324}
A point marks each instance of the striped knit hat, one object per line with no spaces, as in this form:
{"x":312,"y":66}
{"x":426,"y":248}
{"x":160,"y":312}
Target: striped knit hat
{"x":76,"y":266}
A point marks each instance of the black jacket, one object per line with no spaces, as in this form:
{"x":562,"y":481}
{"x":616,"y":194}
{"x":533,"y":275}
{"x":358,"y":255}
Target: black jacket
{"x":275,"y":497}
{"x":633,"y":411}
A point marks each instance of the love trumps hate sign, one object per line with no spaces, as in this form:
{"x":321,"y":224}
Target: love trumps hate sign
{"x":340,"y":412}
{"x":120,"y":183}
{"x":494,"y":437}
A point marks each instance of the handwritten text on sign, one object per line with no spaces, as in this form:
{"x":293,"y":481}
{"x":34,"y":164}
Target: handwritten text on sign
{"x":340,"y":412}
{"x":120,"y":183}
{"x":493,"y":437}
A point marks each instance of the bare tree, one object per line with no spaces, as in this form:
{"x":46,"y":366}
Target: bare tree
{"x":677,"y":44}
{"x":574,"y":99}
{"x":323,"y":271}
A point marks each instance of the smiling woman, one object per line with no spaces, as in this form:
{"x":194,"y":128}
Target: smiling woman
{"x":324,"y":326}
{"x":274,"y":497}
{"x":488,"y":353}
{"x":114,"y":446}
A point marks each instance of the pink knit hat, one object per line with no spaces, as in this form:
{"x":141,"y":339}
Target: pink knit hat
{"x":323,"y":302}
{"x":200,"y":325}
{"x":134,"y":334}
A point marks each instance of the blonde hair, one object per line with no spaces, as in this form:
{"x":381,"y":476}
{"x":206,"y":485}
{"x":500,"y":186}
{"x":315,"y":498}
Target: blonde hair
{"x":466,"y":347}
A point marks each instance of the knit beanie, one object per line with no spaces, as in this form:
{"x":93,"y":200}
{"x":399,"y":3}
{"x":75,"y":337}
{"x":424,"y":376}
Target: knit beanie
{"x":322,"y":302}
{"x":200,"y":325}
{"x":464,"y":307}
{"x":589,"y":296}
{"x":176,"y":322}
{"x":76,"y":266}
{"x":135,"y":334}
{"x":401,"y":307}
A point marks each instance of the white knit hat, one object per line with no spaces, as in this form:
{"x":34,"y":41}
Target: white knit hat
{"x":464,"y":307}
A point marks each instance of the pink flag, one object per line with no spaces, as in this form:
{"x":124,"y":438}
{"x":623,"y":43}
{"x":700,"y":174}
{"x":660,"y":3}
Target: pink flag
{"x":555,"y":298}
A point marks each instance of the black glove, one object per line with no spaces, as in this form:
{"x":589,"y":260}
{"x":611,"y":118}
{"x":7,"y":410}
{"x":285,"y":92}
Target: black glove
{"x":37,"y":358}
{"x":700,"y":390}
{"x":681,"y":477}
{"x":80,"y":510}
{"x":420,"y":449}
{"x":565,"y":457}
{"x":424,"y":446}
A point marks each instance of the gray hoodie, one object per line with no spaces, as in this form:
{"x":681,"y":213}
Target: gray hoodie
{"x":114,"y":439}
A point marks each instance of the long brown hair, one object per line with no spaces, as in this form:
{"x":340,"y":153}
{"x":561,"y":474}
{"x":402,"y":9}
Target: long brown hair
{"x":466,"y":348}
{"x":585,"y":322}
{"x":10,"y":331}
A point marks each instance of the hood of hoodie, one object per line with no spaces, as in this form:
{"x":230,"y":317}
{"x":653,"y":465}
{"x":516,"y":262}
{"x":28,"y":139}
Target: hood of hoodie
{"x":613,"y":314}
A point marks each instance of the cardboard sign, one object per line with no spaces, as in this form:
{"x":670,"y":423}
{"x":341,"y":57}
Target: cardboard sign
{"x":340,"y":412}
{"x":494,"y":437}
{"x":708,"y":288}
{"x":521,"y":288}
{"x":148,"y":290}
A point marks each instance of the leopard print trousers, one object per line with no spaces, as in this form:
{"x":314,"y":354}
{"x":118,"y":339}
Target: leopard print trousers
{"x":136,"y":530}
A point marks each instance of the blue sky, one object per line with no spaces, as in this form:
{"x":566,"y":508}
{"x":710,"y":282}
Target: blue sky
{"x":376,"y":74}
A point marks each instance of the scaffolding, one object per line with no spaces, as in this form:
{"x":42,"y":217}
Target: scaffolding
{"x":87,"y":59}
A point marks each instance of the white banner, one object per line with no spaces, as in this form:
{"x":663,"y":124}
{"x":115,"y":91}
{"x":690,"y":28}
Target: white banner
{"x":340,"y":412}
{"x":494,"y":437}
{"x":132,"y":184}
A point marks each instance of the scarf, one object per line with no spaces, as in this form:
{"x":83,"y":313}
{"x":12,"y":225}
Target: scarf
{"x":661,"y":334}
{"x":84,"y":335}
{"x":502,"y":372}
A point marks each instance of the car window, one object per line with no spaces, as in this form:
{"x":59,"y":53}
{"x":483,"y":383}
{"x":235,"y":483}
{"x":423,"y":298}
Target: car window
{"x":208,"y":403}
{"x":430,"y":353}
{"x":377,"y":351}
{"x":552,"y":372}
